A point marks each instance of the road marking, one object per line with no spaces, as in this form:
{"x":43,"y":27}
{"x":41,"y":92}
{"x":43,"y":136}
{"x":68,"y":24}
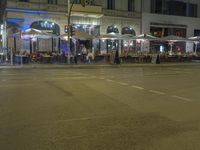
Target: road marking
{"x":110,"y":80}
{"x":16,"y":85}
{"x":102,"y":78}
{"x":73,"y":78}
{"x":157,"y":92}
{"x":137,"y":87}
{"x":122,"y":83}
{"x":182,"y":98}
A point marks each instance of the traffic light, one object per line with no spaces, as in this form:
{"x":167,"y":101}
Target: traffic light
{"x":72,"y":29}
{"x":66,"y":29}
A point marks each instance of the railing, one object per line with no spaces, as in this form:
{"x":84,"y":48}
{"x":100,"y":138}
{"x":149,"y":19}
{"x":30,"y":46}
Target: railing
{"x":87,"y":8}
{"x":120,"y":13}
{"x":52,"y":7}
{"x":37,"y":6}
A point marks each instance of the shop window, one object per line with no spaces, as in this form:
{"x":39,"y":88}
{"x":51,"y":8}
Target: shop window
{"x":90,"y":29}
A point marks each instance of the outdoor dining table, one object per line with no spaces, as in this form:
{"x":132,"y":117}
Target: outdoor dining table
{"x":21,"y":59}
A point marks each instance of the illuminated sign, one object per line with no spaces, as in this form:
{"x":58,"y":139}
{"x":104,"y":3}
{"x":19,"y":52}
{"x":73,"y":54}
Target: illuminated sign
{"x":46,"y":26}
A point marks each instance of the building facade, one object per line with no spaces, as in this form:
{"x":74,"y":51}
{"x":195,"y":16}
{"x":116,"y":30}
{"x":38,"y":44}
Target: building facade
{"x":171,"y":17}
{"x":96,"y":18}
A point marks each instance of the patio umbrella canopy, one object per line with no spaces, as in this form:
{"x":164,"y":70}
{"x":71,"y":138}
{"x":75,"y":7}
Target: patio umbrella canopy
{"x":111,"y":36}
{"x":173,"y":38}
{"x":31,"y":33}
{"x":196,"y":40}
{"x":78,"y":35}
{"x":145,"y":37}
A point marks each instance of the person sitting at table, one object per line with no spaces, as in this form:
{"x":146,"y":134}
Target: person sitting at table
{"x":34,"y":56}
{"x":90,"y":56}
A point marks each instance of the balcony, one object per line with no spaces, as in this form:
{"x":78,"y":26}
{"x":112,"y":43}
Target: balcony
{"x":120,"y":13}
{"x":37,"y":6}
{"x":89,"y":10}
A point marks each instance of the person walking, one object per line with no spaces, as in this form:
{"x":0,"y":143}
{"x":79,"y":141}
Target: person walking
{"x":117,"y":59}
{"x":158,"y":59}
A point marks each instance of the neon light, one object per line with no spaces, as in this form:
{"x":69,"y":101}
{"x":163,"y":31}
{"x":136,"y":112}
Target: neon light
{"x":27,"y":11}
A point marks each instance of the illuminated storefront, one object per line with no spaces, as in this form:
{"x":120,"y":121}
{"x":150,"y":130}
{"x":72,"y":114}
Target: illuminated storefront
{"x":128,"y":46}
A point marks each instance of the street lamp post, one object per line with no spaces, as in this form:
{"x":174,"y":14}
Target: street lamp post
{"x":69,"y":24}
{"x":69,"y":13}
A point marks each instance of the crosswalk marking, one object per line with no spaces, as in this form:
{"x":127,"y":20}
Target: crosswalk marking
{"x":122,"y":83}
{"x":157,"y":92}
{"x":137,"y":87}
{"x":182,"y":98}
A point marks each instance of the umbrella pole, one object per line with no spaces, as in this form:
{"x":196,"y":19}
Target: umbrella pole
{"x":52,"y":44}
{"x":58,"y":45}
{"x":196,"y":47}
{"x":30,"y":46}
{"x":15,"y":44}
{"x":170,"y":52}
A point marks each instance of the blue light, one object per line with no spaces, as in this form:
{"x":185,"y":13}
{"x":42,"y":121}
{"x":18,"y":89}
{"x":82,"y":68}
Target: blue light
{"x":15,"y":20}
{"x":27,"y":11}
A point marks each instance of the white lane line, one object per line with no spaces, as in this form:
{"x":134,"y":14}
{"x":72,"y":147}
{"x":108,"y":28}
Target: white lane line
{"x":122,"y":83}
{"x":15,"y":85}
{"x":157,"y":92}
{"x":102,"y":78}
{"x":137,"y":87}
{"x":110,"y":80}
{"x":182,"y":98}
{"x":73,"y":78}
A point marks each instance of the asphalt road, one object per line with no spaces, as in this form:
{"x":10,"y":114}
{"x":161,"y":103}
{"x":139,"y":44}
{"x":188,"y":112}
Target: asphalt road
{"x":100,"y":108}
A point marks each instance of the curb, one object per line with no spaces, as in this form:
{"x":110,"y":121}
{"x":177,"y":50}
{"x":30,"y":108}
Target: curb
{"x":60,"y":66}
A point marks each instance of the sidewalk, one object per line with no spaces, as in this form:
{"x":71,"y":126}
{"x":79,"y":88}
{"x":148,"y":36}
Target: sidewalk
{"x":57,"y":66}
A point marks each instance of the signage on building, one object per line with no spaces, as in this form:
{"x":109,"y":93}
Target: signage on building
{"x":46,"y":26}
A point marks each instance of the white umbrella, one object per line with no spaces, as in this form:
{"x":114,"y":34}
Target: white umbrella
{"x":78,"y":35}
{"x":196,"y":40}
{"x":31,"y":33}
{"x":145,"y":37}
{"x":111,"y":36}
{"x":172,"y":38}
